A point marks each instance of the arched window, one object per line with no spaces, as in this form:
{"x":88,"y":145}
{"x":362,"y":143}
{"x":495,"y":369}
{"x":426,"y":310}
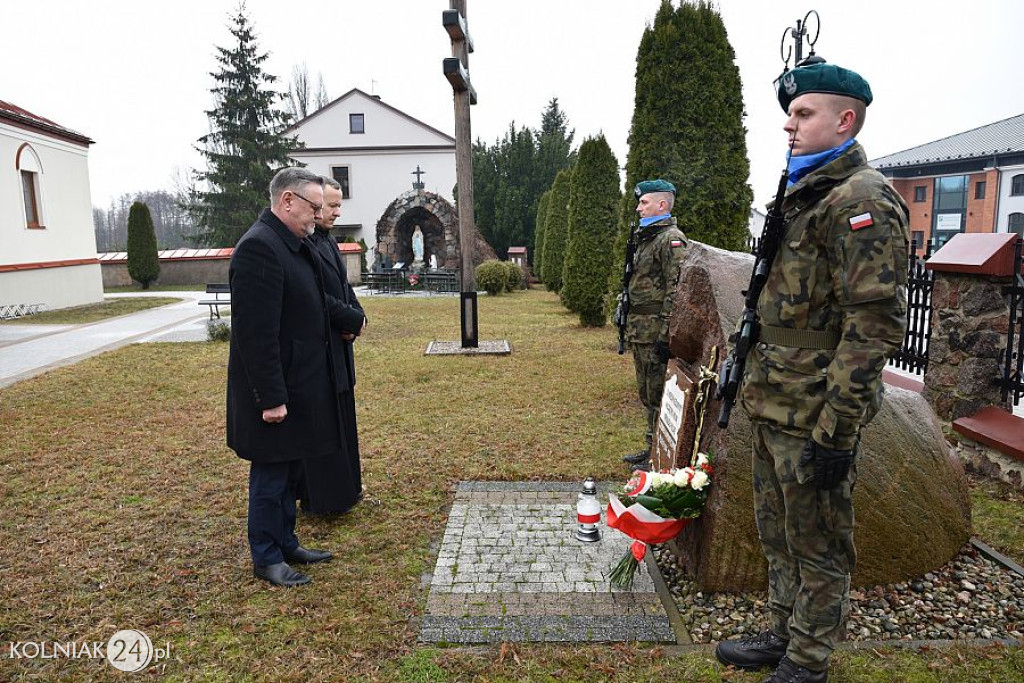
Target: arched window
{"x":1017,"y":185}
{"x":30,"y":171}
{"x":1016,"y":223}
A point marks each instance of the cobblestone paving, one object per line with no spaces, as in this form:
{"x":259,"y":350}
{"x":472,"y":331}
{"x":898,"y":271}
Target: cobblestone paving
{"x":509,"y":569}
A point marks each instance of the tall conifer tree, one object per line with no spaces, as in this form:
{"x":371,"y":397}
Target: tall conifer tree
{"x":555,"y":231}
{"x":143,"y":261}
{"x":593,"y":206}
{"x":688,"y":126}
{"x":245,"y":145}
{"x":538,"y":237}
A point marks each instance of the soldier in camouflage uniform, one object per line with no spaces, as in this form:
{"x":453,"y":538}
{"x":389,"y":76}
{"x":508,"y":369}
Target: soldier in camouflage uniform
{"x":652,"y":290}
{"x":832,"y":311}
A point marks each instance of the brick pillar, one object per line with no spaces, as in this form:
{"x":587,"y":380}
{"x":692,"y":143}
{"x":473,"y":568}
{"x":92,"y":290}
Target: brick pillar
{"x":970,"y":319}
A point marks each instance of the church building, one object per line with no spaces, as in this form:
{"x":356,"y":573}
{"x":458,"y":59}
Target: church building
{"x":381,"y":156}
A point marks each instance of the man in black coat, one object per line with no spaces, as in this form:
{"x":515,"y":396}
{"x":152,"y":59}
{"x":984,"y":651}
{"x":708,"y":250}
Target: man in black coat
{"x":333,"y":483}
{"x":280,"y":396}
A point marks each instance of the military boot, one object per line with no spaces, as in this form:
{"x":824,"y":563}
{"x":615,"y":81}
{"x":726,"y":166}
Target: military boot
{"x":789,"y":672}
{"x":638,"y":457}
{"x":764,"y":649}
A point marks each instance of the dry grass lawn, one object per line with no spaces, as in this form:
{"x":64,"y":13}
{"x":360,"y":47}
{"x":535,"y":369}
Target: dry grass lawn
{"x":122,"y":508}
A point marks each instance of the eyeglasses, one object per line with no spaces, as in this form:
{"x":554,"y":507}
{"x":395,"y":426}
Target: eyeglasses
{"x":317,"y":208}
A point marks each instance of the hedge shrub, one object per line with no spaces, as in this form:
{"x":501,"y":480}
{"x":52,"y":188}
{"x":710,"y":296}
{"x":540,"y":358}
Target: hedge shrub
{"x":492,"y":277}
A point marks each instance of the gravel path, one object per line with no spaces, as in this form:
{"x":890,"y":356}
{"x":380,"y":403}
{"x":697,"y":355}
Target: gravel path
{"x":969,"y":597}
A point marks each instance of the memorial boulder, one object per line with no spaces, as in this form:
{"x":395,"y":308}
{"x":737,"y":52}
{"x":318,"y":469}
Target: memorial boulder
{"x":911,"y":498}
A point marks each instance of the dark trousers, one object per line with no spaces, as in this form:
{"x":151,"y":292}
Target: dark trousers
{"x":272,"y":491}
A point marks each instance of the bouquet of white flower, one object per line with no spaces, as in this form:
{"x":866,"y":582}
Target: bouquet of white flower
{"x":654,"y":508}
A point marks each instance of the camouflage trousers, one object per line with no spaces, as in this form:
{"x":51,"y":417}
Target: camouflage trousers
{"x":807,"y":537}
{"x":650,"y":383}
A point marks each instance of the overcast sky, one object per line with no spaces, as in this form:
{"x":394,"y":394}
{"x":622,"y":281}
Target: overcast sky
{"x":134,"y":76}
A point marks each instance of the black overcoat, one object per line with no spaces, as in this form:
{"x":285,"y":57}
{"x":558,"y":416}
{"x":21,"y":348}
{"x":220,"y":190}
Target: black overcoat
{"x":344,"y":309}
{"x":280,"y":348}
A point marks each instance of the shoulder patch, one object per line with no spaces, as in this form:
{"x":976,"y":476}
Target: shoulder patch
{"x":862,"y":221}
{"x":676,"y":243}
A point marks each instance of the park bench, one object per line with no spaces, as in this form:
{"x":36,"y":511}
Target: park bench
{"x":215,"y":303}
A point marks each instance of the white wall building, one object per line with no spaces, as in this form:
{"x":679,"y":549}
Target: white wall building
{"x":1010,"y":204}
{"x":47,"y":244}
{"x":373,"y":150}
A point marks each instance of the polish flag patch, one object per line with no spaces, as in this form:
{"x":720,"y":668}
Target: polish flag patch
{"x":861,"y":221}
{"x":677,"y":243}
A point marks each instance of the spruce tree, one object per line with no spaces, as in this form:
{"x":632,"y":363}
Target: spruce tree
{"x":688,"y":124}
{"x":143,"y":263}
{"x":538,"y":236}
{"x":245,"y":145}
{"x":555,"y":231}
{"x":510,"y":176}
{"x":593,"y":213}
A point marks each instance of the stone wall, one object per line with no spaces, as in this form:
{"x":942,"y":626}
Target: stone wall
{"x":970,"y":318}
{"x":172,"y":272}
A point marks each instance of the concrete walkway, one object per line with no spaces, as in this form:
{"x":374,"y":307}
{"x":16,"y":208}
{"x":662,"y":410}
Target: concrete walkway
{"x":29,"y":350}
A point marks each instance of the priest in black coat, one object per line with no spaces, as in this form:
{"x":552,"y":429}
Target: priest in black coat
{"x":333,"y":483}
{"x":281,"y":406}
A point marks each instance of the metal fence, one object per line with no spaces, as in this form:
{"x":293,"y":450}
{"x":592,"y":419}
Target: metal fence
{"x":12,"y":311}
{"x":913,"y":354}
{"x":1012,"y":358}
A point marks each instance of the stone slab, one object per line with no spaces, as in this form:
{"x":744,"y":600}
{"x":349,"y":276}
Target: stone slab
{"x":509,"y":570}
{"x":491,"y":347}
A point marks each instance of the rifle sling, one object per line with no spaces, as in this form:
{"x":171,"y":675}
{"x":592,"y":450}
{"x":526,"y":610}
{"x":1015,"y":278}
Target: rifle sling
{"x":649,"y":309}
{"x":799,"y":339}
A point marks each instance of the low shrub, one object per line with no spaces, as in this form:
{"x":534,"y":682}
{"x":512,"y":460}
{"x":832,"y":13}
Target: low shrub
{"x":515,"y":278}
{"x":492,"y":277}
{"x":218,"y":330}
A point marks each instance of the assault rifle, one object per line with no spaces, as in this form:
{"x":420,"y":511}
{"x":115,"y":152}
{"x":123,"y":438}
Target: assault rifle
{"x":622,"y":308}
{"x":731,"y":373}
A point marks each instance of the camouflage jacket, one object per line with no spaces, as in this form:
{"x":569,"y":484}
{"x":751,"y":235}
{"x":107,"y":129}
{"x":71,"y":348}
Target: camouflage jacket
{"x":841,"y":267}
{"x":653,"y":286}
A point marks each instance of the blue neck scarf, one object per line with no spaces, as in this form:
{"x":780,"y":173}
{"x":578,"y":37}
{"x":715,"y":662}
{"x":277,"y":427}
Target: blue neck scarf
{"x":644,"y":222}
{"x":800,"y":166}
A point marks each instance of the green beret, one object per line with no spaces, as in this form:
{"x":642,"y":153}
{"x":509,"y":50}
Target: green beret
{"x":824,"y":78}
{"x":648,"y":186}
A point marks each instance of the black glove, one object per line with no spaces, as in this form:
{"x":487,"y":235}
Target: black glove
{"x":661,"y":351}
{"x":830,"y":465}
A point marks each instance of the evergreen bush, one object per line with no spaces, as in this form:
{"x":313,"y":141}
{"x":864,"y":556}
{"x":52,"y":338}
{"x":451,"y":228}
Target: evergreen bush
{"x":515,"y":279}
{"x":218,"y":331}
{"x":143,"y":263}
{"x":688,"y":126}
{"x":555,"y":231}
{"x":492,"y":276}
{"x":593,"y":205}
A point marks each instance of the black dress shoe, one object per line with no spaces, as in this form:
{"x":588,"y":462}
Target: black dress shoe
{"x":306,"y":556}
{"x":280,"y":574}
{"x":764,"y":649}
{"x":638,"y":457}
{"x":790,"y":672}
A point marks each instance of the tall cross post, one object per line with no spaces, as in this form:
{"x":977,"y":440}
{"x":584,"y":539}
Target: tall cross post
{"x":456,"y":70}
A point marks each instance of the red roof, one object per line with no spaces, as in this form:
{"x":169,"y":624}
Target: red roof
{"x":26,"y":119}
{"x":202,"y":254}
{"x":517,"y":250}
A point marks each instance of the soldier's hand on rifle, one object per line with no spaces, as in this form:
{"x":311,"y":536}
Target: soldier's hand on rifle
{"x":830,"y":465}
{"x":661,"y":351}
